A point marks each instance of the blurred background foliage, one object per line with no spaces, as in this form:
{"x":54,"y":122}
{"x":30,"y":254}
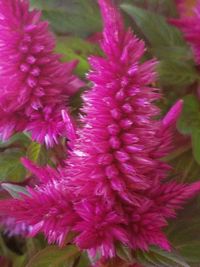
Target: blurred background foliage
{"x":77,"y":28}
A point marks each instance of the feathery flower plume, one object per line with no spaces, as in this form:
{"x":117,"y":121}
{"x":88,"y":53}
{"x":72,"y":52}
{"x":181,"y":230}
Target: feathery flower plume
{"x":113,"y":189}
{"x":35,"y":85}
{"x":116,"y":169}
{"x":191,"y":30}
{"x":47,"y":209}
{"x":8,"y":223}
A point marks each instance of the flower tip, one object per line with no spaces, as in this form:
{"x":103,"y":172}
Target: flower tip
{"x":195,"y":187}
{"x":173,"y":114}
{"x":70,"y":128}
{"x":26,"y":162}
{"x":31,"y":166}
{"x":113,"y":22}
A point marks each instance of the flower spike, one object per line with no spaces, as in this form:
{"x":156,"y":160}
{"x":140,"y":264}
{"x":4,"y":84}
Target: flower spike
{"x":35,"y":86}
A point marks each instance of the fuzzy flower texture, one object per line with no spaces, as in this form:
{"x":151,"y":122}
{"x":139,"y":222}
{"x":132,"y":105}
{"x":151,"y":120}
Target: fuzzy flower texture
{"x":113,"y":189}
{"x":35,"y":85}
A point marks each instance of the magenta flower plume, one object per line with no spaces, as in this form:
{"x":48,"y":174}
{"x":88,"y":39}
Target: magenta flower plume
{"x":44,"y":175}
{"x":47,"y":209}
{"x":35,"y":85}
{"x":191,"y":30}
{"x":113,"y":189}
{"x":116,"y":169}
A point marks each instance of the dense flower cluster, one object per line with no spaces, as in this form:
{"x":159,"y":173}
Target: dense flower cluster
{"x":35,"y":85}
{"x":113,"y":188}
{"x":191,"y":30}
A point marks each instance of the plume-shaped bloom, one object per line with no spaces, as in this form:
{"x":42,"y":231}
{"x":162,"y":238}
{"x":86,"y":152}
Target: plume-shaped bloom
{"x":48,"y":209}
{"x":191,"y":30}
{"x":116,"y":169}
{"x":8,"y":224}
{"x":113,"y":189}
{"x":35,"y":86}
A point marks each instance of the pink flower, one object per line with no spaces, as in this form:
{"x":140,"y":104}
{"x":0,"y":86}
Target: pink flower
{"x":47,"y":209}
{"x":113,"y":188}
{"x":35,"y":85}
{"x":191,"y":30}
{"x":116,"y":169}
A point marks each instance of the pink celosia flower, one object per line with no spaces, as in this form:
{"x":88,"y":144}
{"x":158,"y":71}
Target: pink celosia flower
{"x":35,"y":85}
{"x":112,"y":189}
{"x":48,"y":209}
{"x":8,"y":223}
{"x":44,"y":175}
{"x":116,"y":165}
{"x":191,"y":30}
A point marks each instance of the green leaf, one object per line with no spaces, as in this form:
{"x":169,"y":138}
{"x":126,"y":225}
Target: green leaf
{"x":15,"y":190}
{"x":84,"y":261}
{"x":76,"y":48}
{"x":165,"y":7}
{"x":157,"y":258}
{"x":17,"y":139}
{"x":124,"y":253}
{"x":190,"y":117}
{"x":19,"y":261}
{"x":171,"y":256}
{"x":11,"y":168}
{"x":176,"y":66}
{"x":196,"y":144}
{"x":184,"y":232}
{"x":53,"y":256}
{"x":78,"y":17}
{"x":190,"y":251}
{"x":176,"y":73}
{"x":185,"y":167}
{"x":33,"y":151}
{"x":189,"y":124}
{"x":154,"y":26}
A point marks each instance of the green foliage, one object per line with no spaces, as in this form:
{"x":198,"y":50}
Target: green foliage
{"x":165,"y":7}
{"x":33,"y":151}
{"x":125,"y":253}
{"x":84,"y":261}
{"x":196,"y":144}
{"x":75,"y":48}
{"x":154,"y":26}
{"x":53,"y":256}
{"x":185,"y":167}
{"x":190,"y":117}
{"x":189,"y":123}
{"x":78,"y":17}
{"x":176,"y":73}
{"x":157,"y":258}
{"x":11,"y":168}
{"x":184,"y":233}
{"x":16,"y":140}
{"x":166,"y":43}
